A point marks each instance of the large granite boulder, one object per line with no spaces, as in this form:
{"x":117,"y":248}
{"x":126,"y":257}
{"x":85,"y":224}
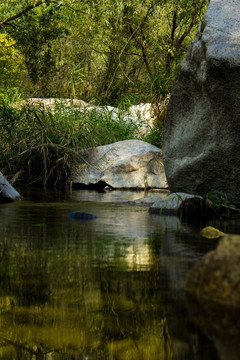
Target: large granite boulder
{"x":7,"y":192}
{"x":124,"y":164}
{"x":201,"y":135}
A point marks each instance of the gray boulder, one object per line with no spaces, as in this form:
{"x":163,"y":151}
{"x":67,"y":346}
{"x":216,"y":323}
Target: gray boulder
{"x":124,"y":164}
{"x":201,"y":144}
{"x":7,"y":192}
{"x":171,"y":204}
{"x":164,"y":203}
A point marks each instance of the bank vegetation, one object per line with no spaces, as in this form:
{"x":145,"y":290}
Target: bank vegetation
{"x":108,"y":52}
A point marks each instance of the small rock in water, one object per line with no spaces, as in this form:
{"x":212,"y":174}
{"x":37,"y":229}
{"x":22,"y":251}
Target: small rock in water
{"x":210,"y":232}
{"x":80,"y":215}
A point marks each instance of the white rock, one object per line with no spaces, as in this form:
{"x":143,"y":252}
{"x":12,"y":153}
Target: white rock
{"x":124,"y":164}
{"x":141,"y":115}
{"x":7,"y":192}
{"x":52,"y":102}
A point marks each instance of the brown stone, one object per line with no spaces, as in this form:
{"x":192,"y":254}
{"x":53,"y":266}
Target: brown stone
{"x":213,"y":292}
{"x":216,"y":277}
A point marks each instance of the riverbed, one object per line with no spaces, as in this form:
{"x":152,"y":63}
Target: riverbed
{"x":105,"y":288}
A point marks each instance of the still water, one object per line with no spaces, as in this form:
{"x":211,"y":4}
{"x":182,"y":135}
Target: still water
{"x":109,"y":288}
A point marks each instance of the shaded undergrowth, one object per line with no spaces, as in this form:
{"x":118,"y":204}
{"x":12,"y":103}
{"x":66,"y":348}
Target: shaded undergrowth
{"x":40,"y":147}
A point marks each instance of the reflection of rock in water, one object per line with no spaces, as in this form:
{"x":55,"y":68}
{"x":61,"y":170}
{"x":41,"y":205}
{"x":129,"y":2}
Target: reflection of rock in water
{"x":220,"y":323}
{"x":178,"y":252}
{"x":213,"y":288}
{"x":176,"y":258}
{"x":80,"y":215}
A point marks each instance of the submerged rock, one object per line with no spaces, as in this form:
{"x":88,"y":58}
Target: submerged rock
{"x":210,"y":232}
{"x":80,"y":215}
{"x":201,"y":147}
{"x":125,"y":164}
{"x":7,"y":192}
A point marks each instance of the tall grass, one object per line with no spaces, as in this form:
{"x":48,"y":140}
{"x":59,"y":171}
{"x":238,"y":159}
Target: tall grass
{"x":39,"y":146}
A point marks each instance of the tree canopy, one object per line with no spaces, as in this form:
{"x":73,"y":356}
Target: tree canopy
{"x":106,"y":51}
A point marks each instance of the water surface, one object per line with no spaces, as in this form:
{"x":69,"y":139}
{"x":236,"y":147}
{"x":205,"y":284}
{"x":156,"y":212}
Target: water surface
{"x":109,"y":288}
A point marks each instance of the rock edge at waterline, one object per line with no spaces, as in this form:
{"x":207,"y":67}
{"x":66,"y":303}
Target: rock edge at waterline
{"x":7,"y":192}
{"x":189,"y":208}
{"x":128,"y":164}
{"x":201,"y":147}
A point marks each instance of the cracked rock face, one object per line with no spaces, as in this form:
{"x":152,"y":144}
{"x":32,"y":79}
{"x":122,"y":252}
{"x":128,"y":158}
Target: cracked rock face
{"x":124,"y":164}
{"x":201,"y":135}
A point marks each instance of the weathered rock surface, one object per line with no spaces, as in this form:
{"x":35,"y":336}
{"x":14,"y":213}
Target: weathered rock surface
{"x":193,"y":209}
{"x":124,"y":164}
{"x":171,"y":204}
{"x":7,"y":192}
{"x":175,"y":204}
{"x":201,"y":147}
{"x":216,"y":277}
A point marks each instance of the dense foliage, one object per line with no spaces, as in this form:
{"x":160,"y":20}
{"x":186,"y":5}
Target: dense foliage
{"x":39,"y":146}
{"x":107,"y":51}
{"x":101,"y":51}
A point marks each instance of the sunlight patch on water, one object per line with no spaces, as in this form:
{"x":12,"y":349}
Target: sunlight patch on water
{"x":139,"y":257}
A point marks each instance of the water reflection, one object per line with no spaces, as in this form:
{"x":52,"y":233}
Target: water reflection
{"x":110,"y":288}
{"x":138,"y":257}
{"x":220,"y":323}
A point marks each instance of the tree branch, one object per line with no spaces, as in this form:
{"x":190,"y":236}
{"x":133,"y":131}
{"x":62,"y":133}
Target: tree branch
{"x":198,"y":6}
{"x":24,"y":11}
{"x":140,"y":42}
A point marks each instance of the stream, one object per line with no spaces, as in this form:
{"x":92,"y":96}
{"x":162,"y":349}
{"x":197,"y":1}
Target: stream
{"x":110,"y":288}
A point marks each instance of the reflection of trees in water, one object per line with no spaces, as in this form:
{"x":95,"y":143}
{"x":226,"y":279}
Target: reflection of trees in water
{"x":23,"y":273}
{"x":90,"y":310}
{"x":177,"y":253}
{"x":27,"y":282}
{"x":89,"y":295}
{"x":134,"y":320}
{"x":33,"y":287}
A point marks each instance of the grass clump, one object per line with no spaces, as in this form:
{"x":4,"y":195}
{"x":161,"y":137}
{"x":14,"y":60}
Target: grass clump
{"x":40,"y":145}
{"x":37,"y":148}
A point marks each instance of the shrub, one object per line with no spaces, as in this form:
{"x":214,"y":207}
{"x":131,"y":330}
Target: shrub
{"x":39,"y":145}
